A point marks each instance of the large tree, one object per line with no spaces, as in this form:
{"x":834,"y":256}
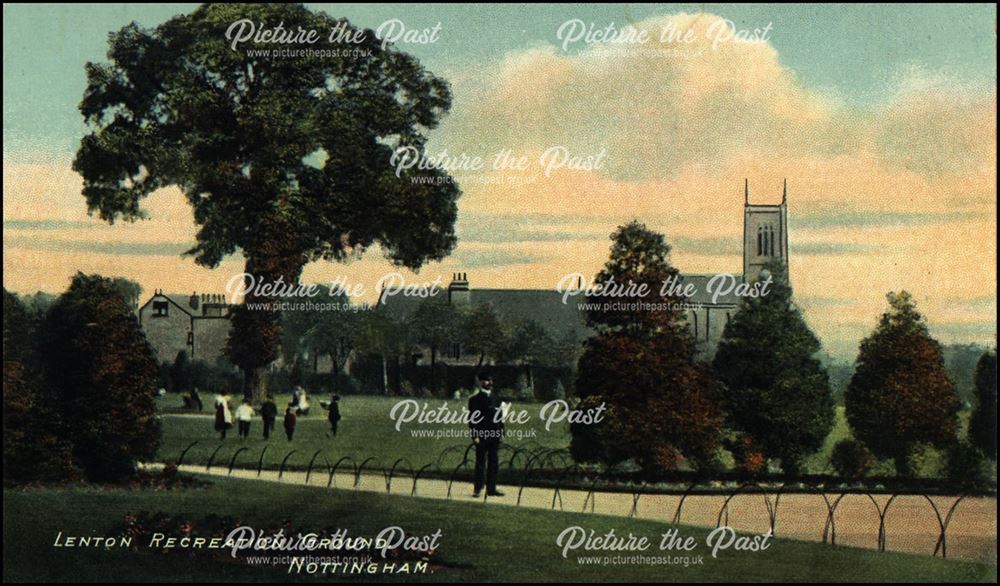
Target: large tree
{"x":381,"y":335}
{"x":295,"y":322}
{"x":333,"y":333}
{"x":529,"y":344}
{"x":18,"y":330}
{"x":640,"y":258}
{"x":284,"y":159}
{"x":103,"y":374}
{"x":900,"y":395}
{"x":775,"y":389}
{"x":129,"y":290}
{"x":436,"y":323}
{"x":35,"y":444}
{"x":983,"y":423}
{"x":660,"y":404}
{"x":483,"y":334}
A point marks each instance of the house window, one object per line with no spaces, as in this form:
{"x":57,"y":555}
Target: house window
{"x":190,"y":338}
{"x":161,"y":308}
{"x":456,"y":350}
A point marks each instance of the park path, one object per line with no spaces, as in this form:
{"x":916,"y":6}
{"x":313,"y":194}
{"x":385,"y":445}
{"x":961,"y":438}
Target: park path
{"x":911,"y":524}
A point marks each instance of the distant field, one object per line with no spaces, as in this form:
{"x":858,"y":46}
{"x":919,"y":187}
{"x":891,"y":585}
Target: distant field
{"x":479,"y":542}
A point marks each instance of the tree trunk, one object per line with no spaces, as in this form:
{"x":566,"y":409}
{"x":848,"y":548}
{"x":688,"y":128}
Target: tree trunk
{"x":336,"y":373}
{"x":399,"y":376}
{"x":385,"y":375}
{"x":251,"y":383}
{"x":902,"y":462}
{"x":255,"y":335}
{"x":790,"y":466}
{"x":433,"y":365}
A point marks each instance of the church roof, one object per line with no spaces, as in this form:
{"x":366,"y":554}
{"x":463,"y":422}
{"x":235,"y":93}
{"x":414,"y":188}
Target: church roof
{"x":543,"y":306}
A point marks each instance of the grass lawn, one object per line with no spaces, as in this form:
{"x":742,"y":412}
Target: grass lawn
{"x":366,"y":430}
{"x":478,"y":543}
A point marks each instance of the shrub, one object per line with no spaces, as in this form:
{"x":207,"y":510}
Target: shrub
{"x":983,"y":423}
{"x":900,"y":396}
{"x":103,"y":374}
{"x":750,"y":461}
{"x":851,"y":459}
{"x":966,"y":463}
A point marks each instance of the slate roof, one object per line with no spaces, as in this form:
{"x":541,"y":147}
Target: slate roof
{"x":539,"y":305}
{"x":545,"y":306}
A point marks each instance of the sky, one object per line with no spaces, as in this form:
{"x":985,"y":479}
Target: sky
{"x":882,"y":118}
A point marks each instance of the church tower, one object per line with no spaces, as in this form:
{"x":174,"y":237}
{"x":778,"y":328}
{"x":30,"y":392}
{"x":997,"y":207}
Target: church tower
{"x":765,"y":234}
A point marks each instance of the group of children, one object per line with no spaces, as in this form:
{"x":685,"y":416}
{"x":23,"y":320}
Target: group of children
{"x":298,"y":406}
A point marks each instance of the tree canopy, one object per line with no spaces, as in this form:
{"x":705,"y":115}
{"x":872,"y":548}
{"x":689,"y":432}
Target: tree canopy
{"x":775,"y":388}
{"x":983,"y":423}
{"x":283,"y":159}
{"x":900,"y":395}
{"x":661,"y":404}
{"x":103,"y":375}
{"x":639,"y":258}
{"x":260,"y":144}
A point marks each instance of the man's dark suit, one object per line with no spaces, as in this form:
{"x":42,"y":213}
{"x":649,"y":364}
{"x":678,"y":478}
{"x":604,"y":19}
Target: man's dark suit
{"x":487,"y":427}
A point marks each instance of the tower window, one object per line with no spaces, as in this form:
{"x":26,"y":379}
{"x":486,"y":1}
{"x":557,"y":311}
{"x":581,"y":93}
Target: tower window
{"x":765,"y":241}
{"x":762,"y":241}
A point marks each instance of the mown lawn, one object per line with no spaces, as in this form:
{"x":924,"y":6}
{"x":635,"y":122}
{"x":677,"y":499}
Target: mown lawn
{"x":365,"y":431}
{"x":479,"y":542}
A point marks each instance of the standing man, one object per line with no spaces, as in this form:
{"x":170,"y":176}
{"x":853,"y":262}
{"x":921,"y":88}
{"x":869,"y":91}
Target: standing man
{"x":268,"y":412}
{"x":486,"y":425}
{"x":334,"y":416}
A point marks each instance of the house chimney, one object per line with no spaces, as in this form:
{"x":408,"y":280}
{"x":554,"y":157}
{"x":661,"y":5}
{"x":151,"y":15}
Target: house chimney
{"x":458,"y":290}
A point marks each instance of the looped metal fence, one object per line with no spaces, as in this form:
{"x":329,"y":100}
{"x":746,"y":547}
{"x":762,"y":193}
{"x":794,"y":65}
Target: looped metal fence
{"x":540,"y":468}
